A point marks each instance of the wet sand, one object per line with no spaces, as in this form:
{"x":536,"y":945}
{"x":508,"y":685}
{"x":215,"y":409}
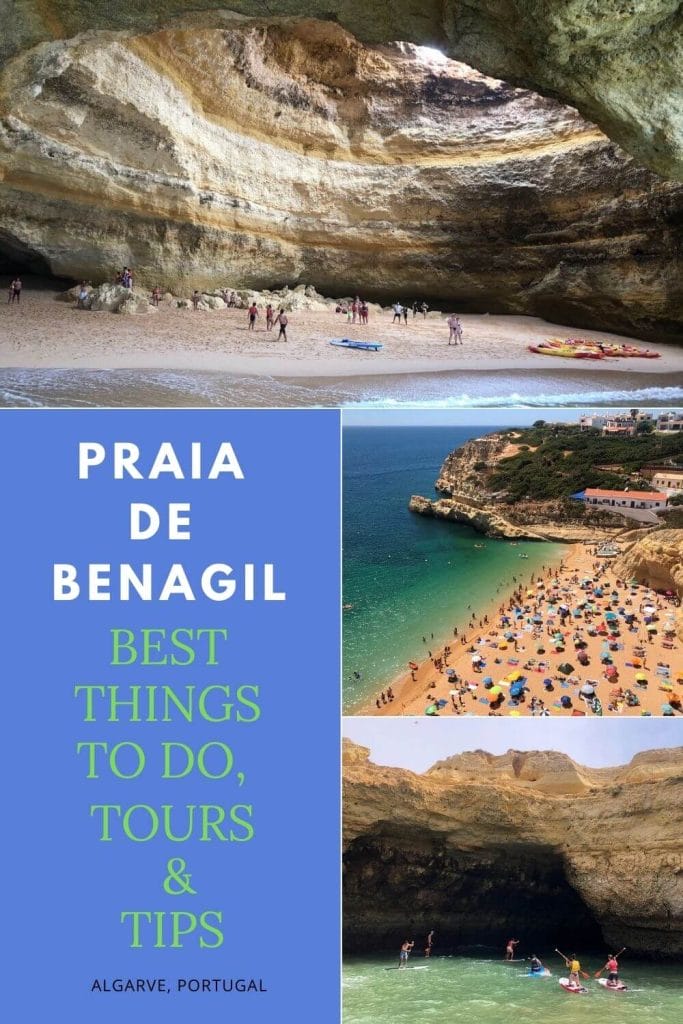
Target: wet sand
{"x":42,"y":332}
{"x":634,"y":650}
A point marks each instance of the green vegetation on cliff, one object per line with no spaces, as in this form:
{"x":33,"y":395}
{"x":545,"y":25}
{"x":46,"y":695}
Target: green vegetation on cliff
{"x":556,"y":460}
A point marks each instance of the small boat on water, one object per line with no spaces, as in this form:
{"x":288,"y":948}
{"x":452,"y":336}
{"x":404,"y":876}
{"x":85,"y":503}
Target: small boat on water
{"x":366,"y":346}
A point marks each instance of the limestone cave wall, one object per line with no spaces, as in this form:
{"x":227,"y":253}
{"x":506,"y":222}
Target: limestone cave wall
{"x":209,"y":150}
{"x":481,"y":847}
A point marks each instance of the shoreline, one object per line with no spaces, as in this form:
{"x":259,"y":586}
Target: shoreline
{"x":431,"y":682}
{"x":405,"y":689}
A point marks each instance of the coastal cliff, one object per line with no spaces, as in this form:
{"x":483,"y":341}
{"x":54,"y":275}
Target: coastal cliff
{"x":657,"y":558}
{"x":518,"y":483}
{"x":481,"y":846}
{"x":208,"y":148}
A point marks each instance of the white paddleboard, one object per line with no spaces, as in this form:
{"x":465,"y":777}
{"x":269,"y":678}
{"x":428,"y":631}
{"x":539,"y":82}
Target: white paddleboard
{"x":612,"y":988}
{"x":416,"y":967}
{"x":573,"y":990}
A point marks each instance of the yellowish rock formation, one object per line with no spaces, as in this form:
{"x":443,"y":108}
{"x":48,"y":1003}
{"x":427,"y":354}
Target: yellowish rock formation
{"x":210,"y":149}
{"x":482,"y":847}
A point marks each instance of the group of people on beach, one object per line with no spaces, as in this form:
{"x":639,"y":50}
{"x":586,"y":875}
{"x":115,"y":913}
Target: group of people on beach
{"x":618,"y":631}
{"x":272,"y":318}
{"x":401,"y":311}
{"x":355,"y":311}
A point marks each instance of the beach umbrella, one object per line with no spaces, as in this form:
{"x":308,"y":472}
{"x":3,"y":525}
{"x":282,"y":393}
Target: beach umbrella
{"x":514,"y":676}
{"x":441,"y":703}
{"x":667,"y":709}
{"x":565,"y":668}
{"x":488,"y":679}
{"x":587,"y":690}
{"x":431,"y":710}
{"x":652,"y":629}
{"x":641,"y":677}
{"x":450,"y":672}
{"x":453,"y":693}
{"x":610,"y":616}
{"x":538,"y":619}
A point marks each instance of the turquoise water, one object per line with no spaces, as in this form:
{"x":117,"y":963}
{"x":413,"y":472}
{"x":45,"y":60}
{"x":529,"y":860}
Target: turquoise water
{"x":476,"y":991}
{"x":407,"y":576}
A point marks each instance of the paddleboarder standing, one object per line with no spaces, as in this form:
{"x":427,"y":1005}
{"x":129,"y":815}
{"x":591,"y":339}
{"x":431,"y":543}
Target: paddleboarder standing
{"x":612,"y":968}
{"x":406,"y":950}
{"x":510,"y":949}
{"x":428,"y":943}
{"x":574,"y":971}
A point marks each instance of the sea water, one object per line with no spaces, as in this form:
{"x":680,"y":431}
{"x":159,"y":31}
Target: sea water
{"x":45,"y":387}
{"x":474,"y":990}
{"x":408,"y":576}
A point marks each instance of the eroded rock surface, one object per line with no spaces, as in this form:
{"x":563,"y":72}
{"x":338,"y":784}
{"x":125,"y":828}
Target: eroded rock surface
{"x":619,"y":63}
{"x":265,"y":153}
{"x":481,"y":846}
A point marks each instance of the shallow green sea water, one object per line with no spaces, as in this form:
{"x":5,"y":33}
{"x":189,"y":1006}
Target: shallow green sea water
{"x":470,"y":990}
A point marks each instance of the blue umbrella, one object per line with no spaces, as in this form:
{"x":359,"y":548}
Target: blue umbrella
{"x":488,"y":679}
{"x":610,"y":615}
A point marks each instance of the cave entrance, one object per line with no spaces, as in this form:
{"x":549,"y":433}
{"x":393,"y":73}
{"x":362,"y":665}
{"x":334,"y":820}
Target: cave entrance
{"x":399,"y":885}
{"x":16,"y":257}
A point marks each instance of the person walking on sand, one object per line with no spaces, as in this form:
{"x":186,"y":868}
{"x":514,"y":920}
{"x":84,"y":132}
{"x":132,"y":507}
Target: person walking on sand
{"x":424,"y":309}
{"x":452,"y":322}
{"x":156,"y":295}
{"x":270,"y":317}
{"x":251,"y":316}
{"x":398,"y":309}
{"x":282,"y":320}
{"x":405,"y":315}
{"x":406,"y":950}
{"x":15,"y":290}
{"x":510,"y":949}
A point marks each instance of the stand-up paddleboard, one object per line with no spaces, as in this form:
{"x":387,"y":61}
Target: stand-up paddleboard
{"x":518,"y":961}
{"x":619,"y":987}
{"x":411,"y":967}
{"x":545,"y":973}
{"x":574,"y":990}
{"x":365,"y":346}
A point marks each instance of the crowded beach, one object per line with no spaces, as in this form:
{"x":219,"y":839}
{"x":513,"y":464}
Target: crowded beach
{"x":572,"y":640}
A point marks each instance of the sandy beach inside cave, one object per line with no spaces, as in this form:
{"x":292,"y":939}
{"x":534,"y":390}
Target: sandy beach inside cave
{"x":657,"y":655}
{"x":42,"y":332}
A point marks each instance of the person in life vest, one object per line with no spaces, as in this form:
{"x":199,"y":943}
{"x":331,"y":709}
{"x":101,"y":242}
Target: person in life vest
{"x":574,"y":971}
{"x":612,"y":968}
